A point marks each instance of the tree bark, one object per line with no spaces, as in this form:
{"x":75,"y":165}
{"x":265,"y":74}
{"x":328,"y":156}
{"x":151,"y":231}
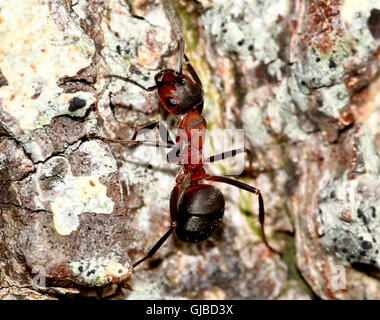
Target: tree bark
{"x":301,"y":79}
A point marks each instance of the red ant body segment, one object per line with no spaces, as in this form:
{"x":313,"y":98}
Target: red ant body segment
{"x":196,"y":209}
{"x":177,"y":92}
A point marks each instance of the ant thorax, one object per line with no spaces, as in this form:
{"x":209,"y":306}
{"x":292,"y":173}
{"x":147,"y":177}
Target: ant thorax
{"x":190,"y":139}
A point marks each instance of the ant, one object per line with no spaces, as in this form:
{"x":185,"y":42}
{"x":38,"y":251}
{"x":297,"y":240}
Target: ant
{"x":196,"y":209}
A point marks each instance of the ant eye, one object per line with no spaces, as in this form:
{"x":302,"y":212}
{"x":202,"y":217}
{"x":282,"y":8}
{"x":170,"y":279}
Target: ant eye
{"x":171,"y":102}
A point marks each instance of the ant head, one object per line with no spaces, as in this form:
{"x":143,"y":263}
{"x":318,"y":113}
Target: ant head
{"x":177,"y":92}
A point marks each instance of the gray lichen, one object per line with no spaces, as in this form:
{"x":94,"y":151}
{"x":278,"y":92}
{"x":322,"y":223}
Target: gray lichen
{"x":82,"y":210}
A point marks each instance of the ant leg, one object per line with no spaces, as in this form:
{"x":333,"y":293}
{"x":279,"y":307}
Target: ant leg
{"x":177,"y":31}
{"x":181,"y":53}
{"x":136,"y":143}
{"x":164,"y":133}
{"x":226,"y":154}
{"x":73,"y":5}
{"x":167,"y":141}
{"x":145,"y":127}
{"x":173,"y":215}
{"x":195,"y":77}
{"x":156,"y":246}
{"x":251,"y":189}
{"x":191,"y":70}
{"x":152,"y":88}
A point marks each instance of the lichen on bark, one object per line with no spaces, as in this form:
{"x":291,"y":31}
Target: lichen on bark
{"x":300,"y":77}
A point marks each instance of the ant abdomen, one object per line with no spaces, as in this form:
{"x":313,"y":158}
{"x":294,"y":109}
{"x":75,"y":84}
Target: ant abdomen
{"x":200,"y":211}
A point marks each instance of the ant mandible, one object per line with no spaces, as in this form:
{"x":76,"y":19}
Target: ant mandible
{"x":196,"y":209}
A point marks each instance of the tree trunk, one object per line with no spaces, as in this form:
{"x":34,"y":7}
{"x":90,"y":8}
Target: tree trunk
{"x":300,"y":77}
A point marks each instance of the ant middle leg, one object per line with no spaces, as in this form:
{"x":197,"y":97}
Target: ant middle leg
{"x":156,"y":246}
{"x":232,"y":153}
{"x":229,"y":154}
{"x":253,"y":190}
{"x":226,"y":155}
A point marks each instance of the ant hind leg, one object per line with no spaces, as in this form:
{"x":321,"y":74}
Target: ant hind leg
{"x":253,"y":190}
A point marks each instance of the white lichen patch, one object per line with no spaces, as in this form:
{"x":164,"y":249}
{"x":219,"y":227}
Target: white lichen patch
{"x":325,"y":69}
{"x":350,"y":9}
{"x":353,"y":44}
{"x":283,"y":114}
{"x":149,"y":290}
{"x":155,"y":181}
{"x":121,"y":30}
{"x":3,"y":161}
{"x":129,"y":40}
{"x":255,"y":128}
{"x":99,"y":271}
{"x":33,"y":64}
{"x":101,"y":158}
{"x":75,"y":196}
{"x":67,"y":195}
{"x":321,"y":77}
{"x":348,"y":222}
{"x":348,"y":208}
{"x":335,"y":99}
{"x":355,"y":14}
{"x":371,"y":159}
{"x":249,"y":27}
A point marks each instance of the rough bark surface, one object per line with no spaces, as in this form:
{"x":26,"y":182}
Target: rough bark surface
{"x":300,"y":77}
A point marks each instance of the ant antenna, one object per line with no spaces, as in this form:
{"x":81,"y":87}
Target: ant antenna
{"x":177,"y":31}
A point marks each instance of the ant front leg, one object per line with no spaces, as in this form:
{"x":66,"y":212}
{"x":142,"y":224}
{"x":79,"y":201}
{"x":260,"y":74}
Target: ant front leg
{"x":164,"y":133}
{"x":253,"y":190}
{"x":148,"y":89}
{"x":177,"y":31}
{"x":173,"y":215}
{"x":191,"y":70}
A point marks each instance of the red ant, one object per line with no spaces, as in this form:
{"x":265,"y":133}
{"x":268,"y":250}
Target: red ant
{"x":196,"y":209}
